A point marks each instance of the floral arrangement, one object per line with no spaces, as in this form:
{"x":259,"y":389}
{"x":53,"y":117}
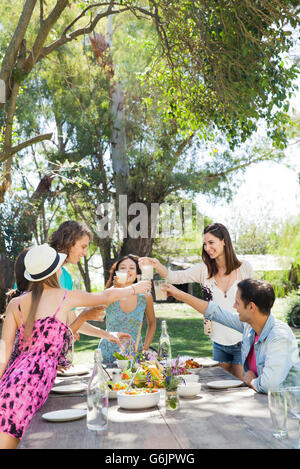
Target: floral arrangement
{"x":172,"y":375}
{"x":127,"y":352}
{"x":147,"y":356}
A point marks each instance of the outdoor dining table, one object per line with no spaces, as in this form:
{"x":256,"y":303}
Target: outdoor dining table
{"x":233,"y":418}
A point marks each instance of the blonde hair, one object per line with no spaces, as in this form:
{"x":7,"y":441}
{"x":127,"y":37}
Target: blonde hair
{"x":36,"y":289}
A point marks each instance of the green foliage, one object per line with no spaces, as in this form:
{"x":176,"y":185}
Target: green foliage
{"x":225,"y":65}
{"x":15,"y":233}
{"x":279,"y":281}
{"x":293,"y":299}
{"x":278,"y":239}
{"x":255,"y":240}
{"x":288,"y":241}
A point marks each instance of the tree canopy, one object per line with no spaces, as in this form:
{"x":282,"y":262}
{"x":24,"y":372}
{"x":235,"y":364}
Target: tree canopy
{"x":125,"y":97}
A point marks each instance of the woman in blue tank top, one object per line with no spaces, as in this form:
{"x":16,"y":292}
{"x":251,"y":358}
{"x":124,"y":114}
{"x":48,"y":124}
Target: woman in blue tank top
{"x":126,"y":315}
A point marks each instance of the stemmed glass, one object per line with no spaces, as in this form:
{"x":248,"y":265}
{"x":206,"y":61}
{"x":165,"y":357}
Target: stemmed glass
{"x":293,"y":403}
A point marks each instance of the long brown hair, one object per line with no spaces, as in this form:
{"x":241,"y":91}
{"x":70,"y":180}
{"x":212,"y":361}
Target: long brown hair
{"x":21,"y":282}
{"x":36,"y":289}
{"x":67,"y":234}
{"x":115,"y":267}
{"x":232,"y":262}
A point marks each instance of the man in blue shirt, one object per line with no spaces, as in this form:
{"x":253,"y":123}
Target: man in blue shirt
{"x":270,"y":355}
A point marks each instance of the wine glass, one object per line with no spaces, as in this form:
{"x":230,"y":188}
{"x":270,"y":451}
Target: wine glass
{"x":278,"y":412}
{"x":293,"y":403}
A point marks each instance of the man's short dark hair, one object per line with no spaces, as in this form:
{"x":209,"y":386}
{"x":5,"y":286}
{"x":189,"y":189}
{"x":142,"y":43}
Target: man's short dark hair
{"x":259,"y":292}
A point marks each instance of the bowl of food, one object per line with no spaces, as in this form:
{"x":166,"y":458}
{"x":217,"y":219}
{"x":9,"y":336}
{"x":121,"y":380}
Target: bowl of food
{"x":123,"y":364}
{"x":135,"y":399}
{"x":114,"y":388}
{"x":189,"y":389}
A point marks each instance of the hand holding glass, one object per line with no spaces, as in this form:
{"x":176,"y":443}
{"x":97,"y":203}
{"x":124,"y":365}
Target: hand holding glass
{"x":160,"y":295}
{"x":122,"y":276}
{"x":147,"y":271}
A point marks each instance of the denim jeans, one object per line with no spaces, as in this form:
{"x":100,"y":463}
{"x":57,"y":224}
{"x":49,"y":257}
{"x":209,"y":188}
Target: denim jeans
{"x":228,"y":353}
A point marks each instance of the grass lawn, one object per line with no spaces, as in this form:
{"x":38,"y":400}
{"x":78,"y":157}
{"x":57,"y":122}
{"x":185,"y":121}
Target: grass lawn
{"x":185,"y":328}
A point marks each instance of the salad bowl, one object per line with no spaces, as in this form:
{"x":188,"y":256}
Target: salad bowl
{"x":138,"y":398}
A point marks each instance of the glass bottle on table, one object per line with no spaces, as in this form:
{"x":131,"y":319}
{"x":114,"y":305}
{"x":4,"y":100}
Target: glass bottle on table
{"x":164,"y":345}
{"x":97,"y":397}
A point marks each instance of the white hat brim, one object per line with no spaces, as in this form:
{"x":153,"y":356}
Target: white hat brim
{"x":62,"y":258}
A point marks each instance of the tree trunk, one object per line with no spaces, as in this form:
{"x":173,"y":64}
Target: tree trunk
{"x":118,"y":155}
{"x":140,"y":243}
{"x":84,"y":270}
{"x":6,"y":279}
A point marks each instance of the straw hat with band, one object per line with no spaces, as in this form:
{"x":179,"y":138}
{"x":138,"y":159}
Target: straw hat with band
{"x":41,"y":262}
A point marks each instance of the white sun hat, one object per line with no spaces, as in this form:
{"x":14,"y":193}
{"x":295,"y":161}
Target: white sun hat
{"x":41,"y":262}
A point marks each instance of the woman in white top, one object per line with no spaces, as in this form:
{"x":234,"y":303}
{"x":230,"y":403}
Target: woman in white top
{"x":220,"y":272}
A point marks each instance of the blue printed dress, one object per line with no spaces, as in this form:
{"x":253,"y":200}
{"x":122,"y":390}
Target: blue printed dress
{"x":118,"y":320}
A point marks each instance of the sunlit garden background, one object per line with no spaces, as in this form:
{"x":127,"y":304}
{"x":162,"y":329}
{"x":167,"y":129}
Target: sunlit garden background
{"x":167,"y":103}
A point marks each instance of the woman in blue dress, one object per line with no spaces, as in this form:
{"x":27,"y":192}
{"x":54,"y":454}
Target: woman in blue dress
{"x":127,"y":314}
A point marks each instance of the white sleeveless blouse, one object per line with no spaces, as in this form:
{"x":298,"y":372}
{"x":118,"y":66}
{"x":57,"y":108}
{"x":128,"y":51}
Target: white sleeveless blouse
{"x":224,"y":335}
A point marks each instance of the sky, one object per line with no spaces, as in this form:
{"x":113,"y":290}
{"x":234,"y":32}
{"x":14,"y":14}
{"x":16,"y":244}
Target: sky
{"x":268,"y":189}
{"x":271,"y":187}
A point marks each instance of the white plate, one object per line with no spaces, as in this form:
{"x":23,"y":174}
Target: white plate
{"x":69,"y":388}
{"x":203,"y":361}
{"x":65,"y":415}
{"x":226,"y":383}
{"x":206,"y":362}
{"x":67,"y":379}
{"x":74,"y":370}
